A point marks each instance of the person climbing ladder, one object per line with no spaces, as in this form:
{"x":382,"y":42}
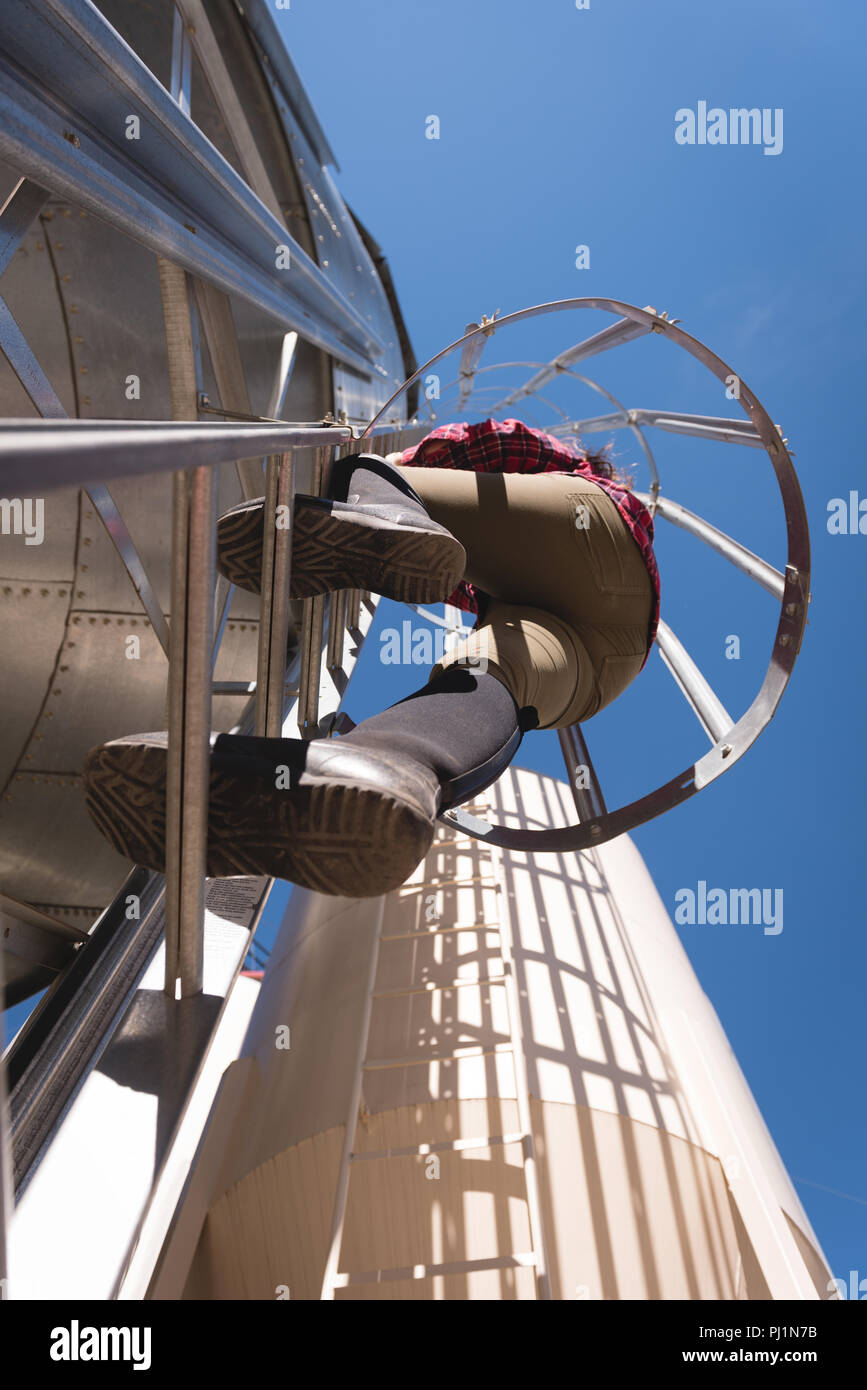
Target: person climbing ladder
{"x":551,"y":550}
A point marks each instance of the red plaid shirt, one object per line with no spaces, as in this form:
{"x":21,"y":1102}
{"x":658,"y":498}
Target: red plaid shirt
{"x":509,"y":446}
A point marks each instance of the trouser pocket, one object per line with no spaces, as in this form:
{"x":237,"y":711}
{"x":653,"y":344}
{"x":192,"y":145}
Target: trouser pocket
{"x":605,"y":542}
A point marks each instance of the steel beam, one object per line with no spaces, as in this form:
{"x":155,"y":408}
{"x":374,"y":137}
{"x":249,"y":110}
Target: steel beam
{"x":216,"y":318}
{"x":274,"y":611}
{"x":277,"y":400}
{"x":623,"y":331}
{"x":194,"y":519}
{"x":23,"y":205}
{"x":753,"y":565}
{"x":203,"y":39}
{"x":589,"y":801}
{"x":701,"y":426}
{"x":68,"y":85}
{"x":312,"y":629}
{"x":699,"y":695}
{"x":470,"y":356}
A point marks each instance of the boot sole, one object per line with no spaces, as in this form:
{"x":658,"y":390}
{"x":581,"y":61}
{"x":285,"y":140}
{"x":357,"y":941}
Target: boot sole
{"x":333,"y":837}
{"x":330,"y":552}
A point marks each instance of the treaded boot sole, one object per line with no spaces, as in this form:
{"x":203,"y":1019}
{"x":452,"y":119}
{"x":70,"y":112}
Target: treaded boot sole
{"x":334,"y":551}
{"x":330,"y":836}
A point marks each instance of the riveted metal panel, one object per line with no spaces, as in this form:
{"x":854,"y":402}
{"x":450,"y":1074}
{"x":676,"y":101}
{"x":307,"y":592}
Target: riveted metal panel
{"x":32,"y":629}
{"x":65,"y":860}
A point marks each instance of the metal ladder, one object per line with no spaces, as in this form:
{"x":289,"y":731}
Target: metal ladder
{"x":334,"y":1277}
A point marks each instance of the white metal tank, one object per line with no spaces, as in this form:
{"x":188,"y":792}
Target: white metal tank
{"x":502,"y":1080}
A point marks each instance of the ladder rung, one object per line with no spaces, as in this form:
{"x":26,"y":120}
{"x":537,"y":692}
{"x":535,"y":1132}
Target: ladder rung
{"x":451,"y":842}
{"x":471,"y":1050}
{"x":526,"y":1260}
{"x":446,"y":883}
{"x":442,"y":1146}
{"x":439,"y":931}
{"x":430,"y":988}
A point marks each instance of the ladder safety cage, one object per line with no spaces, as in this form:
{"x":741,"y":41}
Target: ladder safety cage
{"x":730,"y":738}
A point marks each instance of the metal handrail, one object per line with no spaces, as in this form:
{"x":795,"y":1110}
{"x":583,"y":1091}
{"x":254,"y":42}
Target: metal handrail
{"x":43,"y":454}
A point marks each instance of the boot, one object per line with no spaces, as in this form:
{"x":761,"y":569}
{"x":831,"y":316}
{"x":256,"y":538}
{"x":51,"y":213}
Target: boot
{"x":350,"y":817}
{"x":373,"y":533}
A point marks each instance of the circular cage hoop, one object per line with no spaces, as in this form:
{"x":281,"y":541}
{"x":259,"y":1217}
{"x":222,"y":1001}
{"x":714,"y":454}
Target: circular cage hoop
{"x":731,"y":744}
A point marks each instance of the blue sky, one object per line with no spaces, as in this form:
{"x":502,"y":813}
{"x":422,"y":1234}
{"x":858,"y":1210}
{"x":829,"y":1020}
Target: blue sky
{"x":557,"y":129}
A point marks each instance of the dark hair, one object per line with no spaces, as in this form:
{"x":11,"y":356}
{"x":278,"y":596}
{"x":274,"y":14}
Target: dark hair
{"x":601,"y":464}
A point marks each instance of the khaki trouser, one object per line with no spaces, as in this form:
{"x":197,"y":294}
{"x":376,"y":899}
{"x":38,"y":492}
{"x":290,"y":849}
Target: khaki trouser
{"x":570,"y":595}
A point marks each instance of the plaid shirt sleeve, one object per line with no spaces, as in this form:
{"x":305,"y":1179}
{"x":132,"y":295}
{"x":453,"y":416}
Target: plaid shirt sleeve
{"x":510,"y":446}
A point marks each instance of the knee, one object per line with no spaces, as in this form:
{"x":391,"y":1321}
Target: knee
{"x":540,"y":659}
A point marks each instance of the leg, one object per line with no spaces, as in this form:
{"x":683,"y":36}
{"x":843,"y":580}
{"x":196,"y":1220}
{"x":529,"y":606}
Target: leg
{"x":546,"y":665}
{"x":546,"y":540}
{"x":371,"y":532}
{"x":563,"y":633}
{"x":566,"y":625}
